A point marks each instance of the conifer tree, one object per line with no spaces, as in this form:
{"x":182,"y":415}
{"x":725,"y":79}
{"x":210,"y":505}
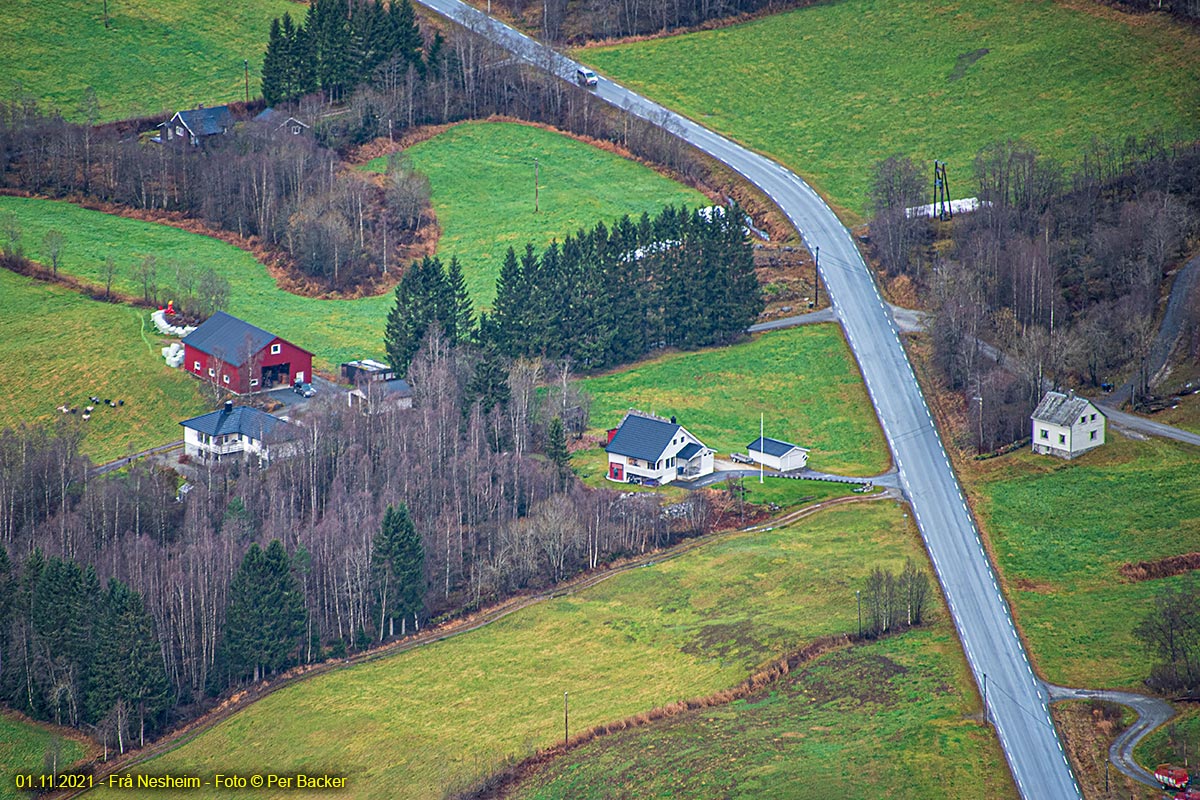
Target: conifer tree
{"x":128,"y":663}
{"x":462,"y":324}
{"x":265,"y":619}
{"x":556,"y":451}
{"x":423,"y":298}
{"x":397,"y":571}
{"x":275,"y":66}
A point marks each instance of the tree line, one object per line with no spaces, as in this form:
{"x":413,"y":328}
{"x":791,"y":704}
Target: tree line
{"x":1171,"y":634}
{"x":382,"y":522}
{"x":338,"y":46}
{"x":293,"y":193}
{"x":1059,"y":270}
{"x":603,"y":297}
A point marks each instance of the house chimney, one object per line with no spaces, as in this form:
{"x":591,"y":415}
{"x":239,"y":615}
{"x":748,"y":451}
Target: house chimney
{"x":228,"y":406}
{"x":673,"y":420}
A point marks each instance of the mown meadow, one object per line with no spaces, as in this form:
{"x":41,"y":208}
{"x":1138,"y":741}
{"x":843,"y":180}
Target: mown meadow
{"x":894,"y":718}
{"x":802,"y":381}
{"x":833,"y":88}
{"x":1060,"y":532}
{"x":25,"y":747}
{"x":483,"y":180}
{"x":476,"y":171}
{"x":442,"y":715}
{"x":58,"y":347}
{"x":153,"y":57}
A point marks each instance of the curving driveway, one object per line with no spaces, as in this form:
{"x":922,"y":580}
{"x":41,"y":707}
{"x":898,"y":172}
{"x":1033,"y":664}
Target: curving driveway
{"x":1016,"y":699}
{"x":1151,"y":712}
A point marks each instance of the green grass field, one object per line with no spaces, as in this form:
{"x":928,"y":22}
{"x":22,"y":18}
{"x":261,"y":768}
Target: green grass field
{"x":154,"y":57}
{"x":482,"y":176}
{"x":832,"y":89}
{"x":476,"y":226}
{"x":886,"y":719}
{"x":58,"y":347}
{"x":418,"y":722}
{"x":23,"y":749}
{"x":1166,"y":745}
{"x":1060,"y":531}
{"x":804,"y":380}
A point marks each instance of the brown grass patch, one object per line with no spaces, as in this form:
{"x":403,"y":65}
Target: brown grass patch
{"x":1160,"y":568}
{"x":1037,"y":587}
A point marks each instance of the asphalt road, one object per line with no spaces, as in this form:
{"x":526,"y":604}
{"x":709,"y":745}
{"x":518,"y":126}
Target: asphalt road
{"x":1151,"y":712}
{"x":1016,"y":700}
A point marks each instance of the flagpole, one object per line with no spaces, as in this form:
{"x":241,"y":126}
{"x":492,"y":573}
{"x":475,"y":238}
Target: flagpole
{"x":762,"y":446}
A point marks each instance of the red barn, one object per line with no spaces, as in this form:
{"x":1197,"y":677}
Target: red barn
{"x":241,"y":358}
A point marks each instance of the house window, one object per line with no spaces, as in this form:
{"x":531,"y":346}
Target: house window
{"x":276,"y":349}
{"x":254,"y":381}
{"x":1093,"y":417}
{"x":1093,"y":436}
{"x":295,"y":130}
{"x":212,"y":373}
{"x":227,"y":379}
{"x":196,"y":366}
{"x":1045,"y":433}
{"x":1062,"y":438}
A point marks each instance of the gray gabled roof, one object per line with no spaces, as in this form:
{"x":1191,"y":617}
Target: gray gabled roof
{"x":642,"y":437}
{"x":242,"y":420}
{"x":277,"y":119}
{"x":228,"y":338}
{"x":206,"y":121}
{"x":772,"y":447}
{"x":689,"y":451}
{"x":1060,"y":409}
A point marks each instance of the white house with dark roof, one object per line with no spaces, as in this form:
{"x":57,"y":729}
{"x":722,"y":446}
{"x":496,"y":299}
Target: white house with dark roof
{"x":1066,"y":425}
{"x":651,"y":450}
{"x":239,"y":432}
{"x":197,"y":124}
{"x":773,"y":453}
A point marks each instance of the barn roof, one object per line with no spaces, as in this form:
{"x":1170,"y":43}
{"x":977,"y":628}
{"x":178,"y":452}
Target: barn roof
{"x":207,"y":121}
{"x":1060,"y":409}
{"x":243,"y":420}
{"x":228,"y":338}
{"x":642,"y":437}
{"x":772,"y":447}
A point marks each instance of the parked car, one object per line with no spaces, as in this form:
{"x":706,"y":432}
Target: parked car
{"x":304,"y":389}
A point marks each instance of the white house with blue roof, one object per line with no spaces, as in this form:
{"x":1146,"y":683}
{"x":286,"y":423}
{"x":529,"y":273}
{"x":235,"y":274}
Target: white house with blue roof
{"x":240,"y":432}
{"x":776,"y":454}
{"x":651,"y":450}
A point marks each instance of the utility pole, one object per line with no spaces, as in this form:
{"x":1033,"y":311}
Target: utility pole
{"x":817,"y":278}
{"x":566,"y":720}
{"x":985,"y":708}
{"x":858,"y":601}
{"x":246,"y":72}
{"x":105,"y":14}
{"x":536,"y":167}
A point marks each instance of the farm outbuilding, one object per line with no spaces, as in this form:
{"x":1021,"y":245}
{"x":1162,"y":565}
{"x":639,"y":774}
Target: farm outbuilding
{"x":243,"y":358}
{"x":773,"y":453}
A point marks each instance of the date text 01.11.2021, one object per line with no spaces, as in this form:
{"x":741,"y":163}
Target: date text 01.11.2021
{"x":45,"y":783}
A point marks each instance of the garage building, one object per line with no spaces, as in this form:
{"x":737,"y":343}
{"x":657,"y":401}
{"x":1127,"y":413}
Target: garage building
{"x":783,"y":456}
